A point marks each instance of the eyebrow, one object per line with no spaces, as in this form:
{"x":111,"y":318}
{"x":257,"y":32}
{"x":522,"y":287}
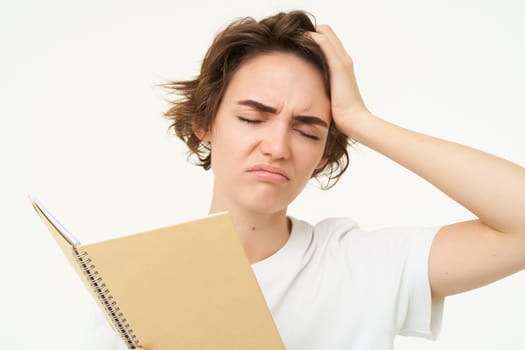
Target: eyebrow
{"x":258,"y":106}
{"x":307,"y":119}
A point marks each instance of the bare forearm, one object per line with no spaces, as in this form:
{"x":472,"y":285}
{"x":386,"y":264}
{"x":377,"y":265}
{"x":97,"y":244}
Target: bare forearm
{"x":490,"y":187}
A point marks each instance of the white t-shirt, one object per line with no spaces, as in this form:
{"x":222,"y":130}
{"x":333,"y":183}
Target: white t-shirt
{"x":334,"y":286}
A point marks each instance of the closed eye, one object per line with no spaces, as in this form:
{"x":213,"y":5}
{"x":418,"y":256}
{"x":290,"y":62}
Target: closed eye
{"x":310,"y":136}
{"x":259,"y":121}
{"x":250,"y":121}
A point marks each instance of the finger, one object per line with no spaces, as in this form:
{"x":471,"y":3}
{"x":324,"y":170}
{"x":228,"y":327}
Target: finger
{"x":337,"y":44}
{"x":328,"y":49}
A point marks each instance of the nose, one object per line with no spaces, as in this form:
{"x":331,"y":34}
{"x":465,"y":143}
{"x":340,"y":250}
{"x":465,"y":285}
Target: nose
{"x":275,"y":143}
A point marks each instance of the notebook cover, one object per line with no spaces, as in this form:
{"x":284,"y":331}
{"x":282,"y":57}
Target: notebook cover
{"x":187,"y":286}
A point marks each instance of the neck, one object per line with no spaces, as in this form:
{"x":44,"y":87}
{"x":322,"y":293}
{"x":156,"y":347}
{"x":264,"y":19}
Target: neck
{"x":261,"y":234}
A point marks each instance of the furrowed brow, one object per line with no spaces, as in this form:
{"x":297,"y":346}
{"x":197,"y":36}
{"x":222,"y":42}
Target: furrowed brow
{"x":258,"y":106}
{"x":307,"y":119}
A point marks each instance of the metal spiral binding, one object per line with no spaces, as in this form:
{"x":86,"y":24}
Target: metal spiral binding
{"x":106,"y":299}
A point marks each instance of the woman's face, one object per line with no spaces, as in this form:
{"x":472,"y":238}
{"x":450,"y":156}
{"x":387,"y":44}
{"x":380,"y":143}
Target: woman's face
{"x":269,"y":133}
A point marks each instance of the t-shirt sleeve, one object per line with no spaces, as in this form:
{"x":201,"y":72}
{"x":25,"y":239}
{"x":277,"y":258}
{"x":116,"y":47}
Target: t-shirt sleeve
{"x":420,"y":315}
{"x":390,"y":267}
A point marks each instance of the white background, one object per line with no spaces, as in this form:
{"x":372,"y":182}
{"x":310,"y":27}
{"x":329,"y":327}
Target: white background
{"x":81,"y":127}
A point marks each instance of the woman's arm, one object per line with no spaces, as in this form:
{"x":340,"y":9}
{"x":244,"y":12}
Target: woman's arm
{"x":464,"y":255}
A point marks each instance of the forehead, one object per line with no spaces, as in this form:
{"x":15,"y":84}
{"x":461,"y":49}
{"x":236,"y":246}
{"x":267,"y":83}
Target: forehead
{"x":278,"y":78}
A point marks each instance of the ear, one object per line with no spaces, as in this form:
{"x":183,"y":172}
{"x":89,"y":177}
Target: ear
{"x":203,"y":134}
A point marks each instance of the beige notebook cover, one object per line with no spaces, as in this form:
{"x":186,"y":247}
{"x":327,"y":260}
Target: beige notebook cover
{"x":187,"y":286}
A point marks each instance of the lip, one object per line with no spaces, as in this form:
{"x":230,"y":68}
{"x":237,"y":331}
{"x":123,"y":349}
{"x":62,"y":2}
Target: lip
{"x":269,"y":173}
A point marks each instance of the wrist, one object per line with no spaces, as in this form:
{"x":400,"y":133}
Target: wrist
{"x":357,"y":126}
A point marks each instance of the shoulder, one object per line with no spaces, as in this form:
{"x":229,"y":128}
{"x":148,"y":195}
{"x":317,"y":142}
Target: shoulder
{"x":348,"y":228}
{"x":323,"y":232}
{"x":345,"y":234}
{"x":326,"y":228}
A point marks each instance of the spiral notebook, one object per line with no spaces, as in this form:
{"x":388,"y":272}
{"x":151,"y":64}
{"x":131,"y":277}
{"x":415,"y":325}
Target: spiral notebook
{"x":187,"y":286}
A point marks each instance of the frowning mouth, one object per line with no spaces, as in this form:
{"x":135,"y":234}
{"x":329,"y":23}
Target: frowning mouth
{"x":269,"y":173}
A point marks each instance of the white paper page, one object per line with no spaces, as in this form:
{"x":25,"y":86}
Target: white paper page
{"x":61,"y":229}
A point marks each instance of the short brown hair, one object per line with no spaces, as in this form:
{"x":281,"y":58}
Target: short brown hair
{"x":199,"y":99}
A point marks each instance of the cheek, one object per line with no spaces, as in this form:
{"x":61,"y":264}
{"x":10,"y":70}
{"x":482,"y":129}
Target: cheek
{"x":229,"y":147}
{"x":310,"y":157}
{"x":320,"y":159}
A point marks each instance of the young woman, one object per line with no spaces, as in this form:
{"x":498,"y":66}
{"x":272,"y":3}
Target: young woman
{"x":276,"y":103}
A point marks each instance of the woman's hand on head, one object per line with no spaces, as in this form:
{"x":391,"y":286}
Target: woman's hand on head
{"x":348,"y":107}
